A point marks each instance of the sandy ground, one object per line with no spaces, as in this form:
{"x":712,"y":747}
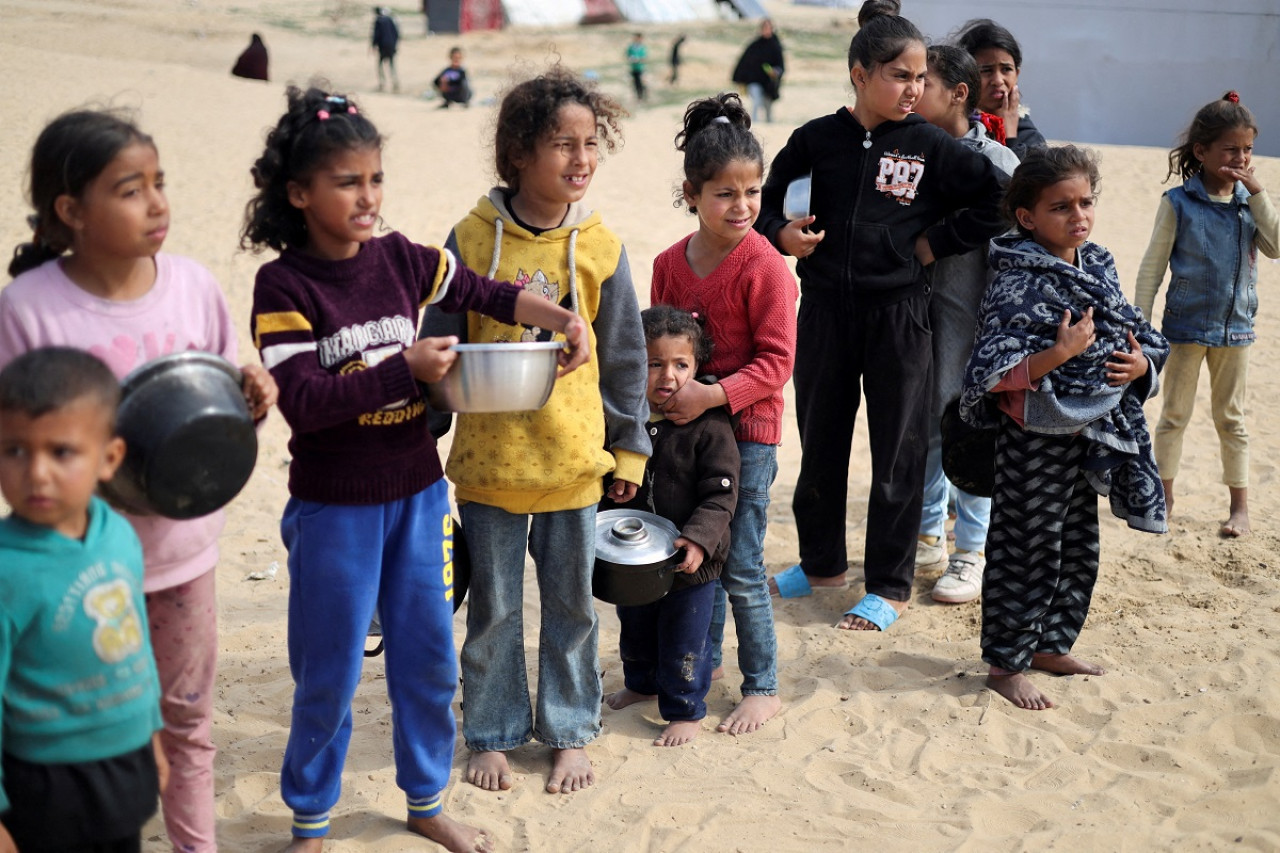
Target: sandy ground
{"x":887,"y":741}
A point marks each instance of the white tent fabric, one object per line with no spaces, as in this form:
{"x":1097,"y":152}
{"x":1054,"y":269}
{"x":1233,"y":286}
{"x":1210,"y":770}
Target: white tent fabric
{"x":654,"y":11}
{"x":544,"y":13}
{"x":1134,"y":72}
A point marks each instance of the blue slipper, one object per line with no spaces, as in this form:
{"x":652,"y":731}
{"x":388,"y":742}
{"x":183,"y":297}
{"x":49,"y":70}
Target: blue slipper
{"x":875,"y":610}
{"x":792,"y":583}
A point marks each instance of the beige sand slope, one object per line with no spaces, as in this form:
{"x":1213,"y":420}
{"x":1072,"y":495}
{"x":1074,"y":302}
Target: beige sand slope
{"x":887,"y":741}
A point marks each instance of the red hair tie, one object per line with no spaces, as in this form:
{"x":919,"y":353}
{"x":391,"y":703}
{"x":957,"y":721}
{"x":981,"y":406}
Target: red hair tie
{"x":1233,"y":97}
{"x":994,"y":125}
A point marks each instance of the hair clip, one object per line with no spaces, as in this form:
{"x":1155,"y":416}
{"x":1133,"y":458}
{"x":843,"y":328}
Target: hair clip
{"x":721,"y":120}
{"x":342,"y":103}
{"x":1233,"y":97}
{"x":322,"y":114}
{"x":693,"y":314}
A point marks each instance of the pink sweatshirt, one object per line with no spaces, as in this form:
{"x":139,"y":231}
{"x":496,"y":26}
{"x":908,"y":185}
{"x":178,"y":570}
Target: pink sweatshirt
{"x":184,"y":310}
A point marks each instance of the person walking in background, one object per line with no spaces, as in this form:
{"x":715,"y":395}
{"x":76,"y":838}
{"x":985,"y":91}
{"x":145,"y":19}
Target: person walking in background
{"x":637,"y":53}
{"x":385,"y":39}
{"x":675,"y":59}
{"x":252,"y":63}
{"x":759,"y":69}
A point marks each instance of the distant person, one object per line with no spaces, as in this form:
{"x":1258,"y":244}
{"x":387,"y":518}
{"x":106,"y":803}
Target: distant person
{"x":1208,"y":232}
{"x":759,"y":69}
{"x":452,"y":83}
{"x":874,"y":8}
{"x":386,"y":38}
{"x":637,"y":53}
{"x":252,"y":64}
{"x":999,"y":64}
{"x":675,"y":59}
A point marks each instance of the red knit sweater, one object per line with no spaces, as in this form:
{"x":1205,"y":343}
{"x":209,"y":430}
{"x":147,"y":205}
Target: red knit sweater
{"x":749,"y":306}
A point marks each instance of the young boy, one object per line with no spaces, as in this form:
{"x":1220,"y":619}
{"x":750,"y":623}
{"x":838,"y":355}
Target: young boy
{"x":81,"y":765}
{"x":452,"y":83}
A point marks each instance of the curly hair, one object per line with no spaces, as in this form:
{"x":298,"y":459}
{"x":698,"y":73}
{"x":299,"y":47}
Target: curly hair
{"x":1042,"y":168}
{"x":716,"y":132}
{"x":316,"y":126}
{"x":667,"y":321}
{"x":1211,"y":121}
{"x":68,"y":155}
{"x":530,"y":112}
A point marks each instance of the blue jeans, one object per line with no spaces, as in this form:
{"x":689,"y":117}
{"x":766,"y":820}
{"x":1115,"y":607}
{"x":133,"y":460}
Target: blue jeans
{"x":496,"y":711}
{"x":663,"y":646}
{"x":973,"y":513}
{"x":743,"y":582}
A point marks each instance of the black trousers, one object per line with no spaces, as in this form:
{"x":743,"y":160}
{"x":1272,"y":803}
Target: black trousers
{"x":1042,"y":548}
{"x":845,"y":350}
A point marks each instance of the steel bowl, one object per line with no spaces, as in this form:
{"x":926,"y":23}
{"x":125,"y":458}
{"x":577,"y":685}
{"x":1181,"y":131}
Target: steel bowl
{"x":510,"y":377}
{"x":636,"y":557}
{"x":190,"y":443}
{"x":795,"y":203}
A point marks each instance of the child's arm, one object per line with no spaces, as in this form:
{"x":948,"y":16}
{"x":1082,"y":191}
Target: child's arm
{"x":1156,"y":259}
{"x":260,"y":389}
{"x":533,"y":310}
{"x":790,"y":237}
{"x":623,"y":361}
{"x":1265,"y":219}
{"x":717,"y":465}
{"x":1125,"y":367}
{"x":1072,"y":340}
{"x":969,"y":183}
{"x":162,"y":763}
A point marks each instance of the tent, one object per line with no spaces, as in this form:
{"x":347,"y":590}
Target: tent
{"x":460,"y":16}
{"x":655,"y":11}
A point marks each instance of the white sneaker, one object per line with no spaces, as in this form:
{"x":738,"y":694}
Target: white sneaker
{"x":927,"y":555}
{"x":962,"y":581}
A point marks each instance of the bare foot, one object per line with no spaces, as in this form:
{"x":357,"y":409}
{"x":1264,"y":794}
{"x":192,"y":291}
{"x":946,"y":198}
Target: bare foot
{"x":849,"y":622}
{"x":1018,"y":689}
{"x":626,"y":696}
{"x":570,"y":771}
{"x":451,"y":835}
{"x":1065,"y":665}
{"x":678,"y":733}
{"x":304,"y":845}
{"x":837,"y":582}
{"x":489,"y":770}
{"x":752,"y":713}
{"x":1168,"y":497}
{"x":717,"y":673}
{"x":1238,"y":523}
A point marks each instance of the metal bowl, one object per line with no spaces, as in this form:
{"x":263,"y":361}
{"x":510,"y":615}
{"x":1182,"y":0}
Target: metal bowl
{"x":795,"y":203}
{"x":510,"y":377}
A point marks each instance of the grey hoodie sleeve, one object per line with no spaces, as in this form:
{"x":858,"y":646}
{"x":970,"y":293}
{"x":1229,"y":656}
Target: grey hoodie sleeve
{"x":437,"y":323}
{"x":623,"y":363}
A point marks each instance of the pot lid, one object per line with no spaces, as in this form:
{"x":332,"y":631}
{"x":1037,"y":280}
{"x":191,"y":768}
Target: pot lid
{"x":634,"y":538}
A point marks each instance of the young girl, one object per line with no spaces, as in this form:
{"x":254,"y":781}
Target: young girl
{"x":949,"y":99}
{"x":1061,"y":367}
{"x":999,"y":61}
{"x":367,"y":524}
{"x":93,"y":277}
{"x":1207,"y":233}
{"x":733,"y":278}
{"x":884,"y":184}
{"x":531,"y":480}
{"x":692,"y":481}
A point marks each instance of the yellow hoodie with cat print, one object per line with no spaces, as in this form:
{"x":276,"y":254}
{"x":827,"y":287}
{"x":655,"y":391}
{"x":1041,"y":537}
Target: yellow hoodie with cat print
{"x":554,"y":458}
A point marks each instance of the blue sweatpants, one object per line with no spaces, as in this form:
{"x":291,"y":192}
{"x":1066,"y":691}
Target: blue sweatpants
{"x":345,"y":561}
{"x":665,"y":650}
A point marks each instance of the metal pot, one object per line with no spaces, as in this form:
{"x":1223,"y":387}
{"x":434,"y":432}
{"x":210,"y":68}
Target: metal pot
{"x":636,"y":557}
{"x":461,"y":565}
{"x":510,"y":377}
{"x":190,"y":444}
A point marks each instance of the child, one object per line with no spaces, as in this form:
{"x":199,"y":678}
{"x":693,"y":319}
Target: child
{"x":1208,"y":232}
{"x":98,"y":190}
{"x":81,"y":698}
{"x":531,"y":480}
{"x":367,"y":524}
{"x":999,"y":61}
{"x":452,"y":83}
{"x":733,"y":278}
{"x":636,"y":56}
{"x":885,"y":186}
{"x":692,"y":481}
{"x":949,"y":99}
{"x":385,"y":38}
{"x":1061,"y":367}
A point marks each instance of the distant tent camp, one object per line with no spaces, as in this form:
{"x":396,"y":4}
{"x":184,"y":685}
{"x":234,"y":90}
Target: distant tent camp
{"x":461,"y":16}
{"x":454,"y":16}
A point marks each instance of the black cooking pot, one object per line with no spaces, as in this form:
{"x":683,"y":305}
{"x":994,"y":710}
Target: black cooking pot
{"x":636,"y":557}
{"x":190,"y":444}
{"x":461,"y":565}
{"x":968,"y":453}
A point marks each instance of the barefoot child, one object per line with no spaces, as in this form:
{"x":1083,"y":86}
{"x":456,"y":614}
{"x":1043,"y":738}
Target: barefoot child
{"x":98,"y":191}
{"x":81,"y":699}
{"x":1061,"y":367}
{"x":367,"y":524}
{"x":692,"y":480}
{"x":741,"y":287}
{"x":530,"y":481}
{"x":1208,"y":233}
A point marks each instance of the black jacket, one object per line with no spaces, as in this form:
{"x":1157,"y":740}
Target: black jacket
{"x":692,"y":481}
{"x":873,"y":202}
{"x":750,"y":68}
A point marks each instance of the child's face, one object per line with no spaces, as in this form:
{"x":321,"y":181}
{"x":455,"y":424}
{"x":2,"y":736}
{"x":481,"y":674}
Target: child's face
{"x":671,"y":364}
{"x":889,"y":91}
{"x":561,"y":166}
{"x":455,"y":58}
{"x":1062,"y":217}
{"x":51,"y":465}
{"x":728,"y":203}
{"x":1233,"y":150}
{"x":936,"y":101}
{"x":999,"y":76}
{"x":123,"y":213}
{"x":340,"y":202}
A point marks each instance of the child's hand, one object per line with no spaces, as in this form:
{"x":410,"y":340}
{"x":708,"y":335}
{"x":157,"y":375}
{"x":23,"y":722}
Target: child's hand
{"x":796,"y":240}
{"x":693,"y":556}
{"x":621,"y":491}
{"x":430,"y":358}
{"x":692,"y":400}
{"x":1124,"y":366}
{"x":1244,"y":176}
{"x":162,"y":763}
{"x":924,"y":252}
{"x":1073,"y":340}
{"x":579,"y":351}
{"x":6,"y":841}
{"x":259,"y":388}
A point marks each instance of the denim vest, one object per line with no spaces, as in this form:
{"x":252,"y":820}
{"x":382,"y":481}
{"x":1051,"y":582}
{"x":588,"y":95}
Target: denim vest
{"x":1213,"y":269}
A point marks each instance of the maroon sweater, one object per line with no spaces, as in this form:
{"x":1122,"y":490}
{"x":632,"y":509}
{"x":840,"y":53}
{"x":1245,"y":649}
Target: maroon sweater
{"x":332,"y":333}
